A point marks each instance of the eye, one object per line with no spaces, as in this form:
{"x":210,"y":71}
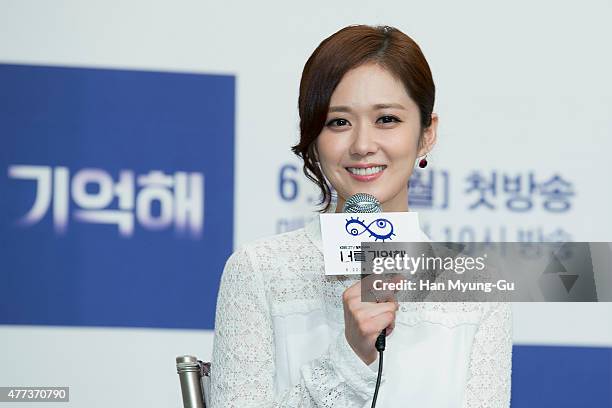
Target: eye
{"x":388,"y":119}
{"x":338,"y":122}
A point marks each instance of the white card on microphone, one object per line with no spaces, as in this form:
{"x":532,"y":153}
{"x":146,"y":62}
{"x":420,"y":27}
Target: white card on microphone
{"x":343,"y":233}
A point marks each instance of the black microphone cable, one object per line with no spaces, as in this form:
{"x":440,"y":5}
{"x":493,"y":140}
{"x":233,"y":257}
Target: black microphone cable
{"x":380,"y":346}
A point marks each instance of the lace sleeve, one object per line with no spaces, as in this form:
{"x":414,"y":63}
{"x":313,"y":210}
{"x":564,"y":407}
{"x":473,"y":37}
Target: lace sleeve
{"x":491,"y":359}
{"x":242,"y":369}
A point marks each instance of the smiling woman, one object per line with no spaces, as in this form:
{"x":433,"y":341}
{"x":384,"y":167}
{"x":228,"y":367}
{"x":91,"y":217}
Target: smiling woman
{"x":365,"y":140}
{"x":286,"y":334}
{"x":365,"y":94}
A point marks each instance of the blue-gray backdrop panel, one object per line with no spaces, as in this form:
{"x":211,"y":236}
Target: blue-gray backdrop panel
{"x":113,"y":120}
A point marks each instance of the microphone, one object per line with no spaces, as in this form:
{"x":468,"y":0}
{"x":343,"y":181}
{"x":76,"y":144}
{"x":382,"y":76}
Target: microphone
{"x":362,"y":203}
{"x":366,"y":203}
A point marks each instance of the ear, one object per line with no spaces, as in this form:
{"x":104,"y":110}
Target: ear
{"x":429,"y":137}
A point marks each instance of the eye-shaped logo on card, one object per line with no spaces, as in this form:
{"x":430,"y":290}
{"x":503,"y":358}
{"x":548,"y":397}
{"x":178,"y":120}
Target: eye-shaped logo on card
{"x":380,"y":228}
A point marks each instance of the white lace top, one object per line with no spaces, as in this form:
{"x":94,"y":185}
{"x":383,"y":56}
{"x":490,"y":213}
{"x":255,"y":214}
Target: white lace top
{"x":279,"y":339}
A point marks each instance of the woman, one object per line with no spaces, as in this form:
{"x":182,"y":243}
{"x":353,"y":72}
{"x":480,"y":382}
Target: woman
{"x":287,"y":335}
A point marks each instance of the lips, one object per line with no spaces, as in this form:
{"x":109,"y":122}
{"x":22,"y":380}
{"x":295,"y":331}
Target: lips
{"x":366,"y":173}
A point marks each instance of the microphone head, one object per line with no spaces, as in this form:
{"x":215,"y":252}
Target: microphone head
{"x":362,"y":203}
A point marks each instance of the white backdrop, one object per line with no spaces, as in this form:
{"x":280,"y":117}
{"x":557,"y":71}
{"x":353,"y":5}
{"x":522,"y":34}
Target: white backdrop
{"x":521,"y":86}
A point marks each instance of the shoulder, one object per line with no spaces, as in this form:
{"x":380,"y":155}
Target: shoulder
{"x":278,"y":244}
{"x":276,"y":252}
{"x":278,"y":249}
{"x":286,"y":267}
{"x":248,"y":261}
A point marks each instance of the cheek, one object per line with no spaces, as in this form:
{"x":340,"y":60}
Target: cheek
{"x":402,"y":149}
{"x":330,"y":152}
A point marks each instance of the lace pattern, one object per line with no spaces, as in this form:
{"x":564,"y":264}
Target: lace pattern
{"x":284,"y":274}
{"x":243,"y":373}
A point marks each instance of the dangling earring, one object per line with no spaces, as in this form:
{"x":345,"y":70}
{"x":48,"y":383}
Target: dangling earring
{"x":423,"y":162}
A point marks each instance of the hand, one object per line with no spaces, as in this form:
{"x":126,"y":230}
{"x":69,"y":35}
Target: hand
{"x":363,"y":321}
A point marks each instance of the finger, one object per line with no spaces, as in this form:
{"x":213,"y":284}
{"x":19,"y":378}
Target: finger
{"x":356,"y":288}
{"x":370,"y":309}
{"x":366,"y":314}
{"x":394,"y":279}
{"x":352,"y":291}
{"x":379,"y":308}
{"x":383,"y":320}
{"x":390,"y":329}
{"x":381,"y":288}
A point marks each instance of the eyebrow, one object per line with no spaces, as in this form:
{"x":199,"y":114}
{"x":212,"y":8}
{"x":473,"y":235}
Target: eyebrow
{"x":377,"y":107}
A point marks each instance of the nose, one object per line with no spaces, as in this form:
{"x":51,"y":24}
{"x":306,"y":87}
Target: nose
{"x":364,"y":142}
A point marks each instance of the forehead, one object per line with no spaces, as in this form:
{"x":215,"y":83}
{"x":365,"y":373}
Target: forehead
{"x":370,"y":84}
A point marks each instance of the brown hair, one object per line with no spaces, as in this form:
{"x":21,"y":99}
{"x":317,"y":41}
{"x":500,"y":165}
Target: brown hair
{"x":349,"y":48}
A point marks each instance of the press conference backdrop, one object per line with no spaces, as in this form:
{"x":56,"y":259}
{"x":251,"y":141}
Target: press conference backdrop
{"x":141,"y":143}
